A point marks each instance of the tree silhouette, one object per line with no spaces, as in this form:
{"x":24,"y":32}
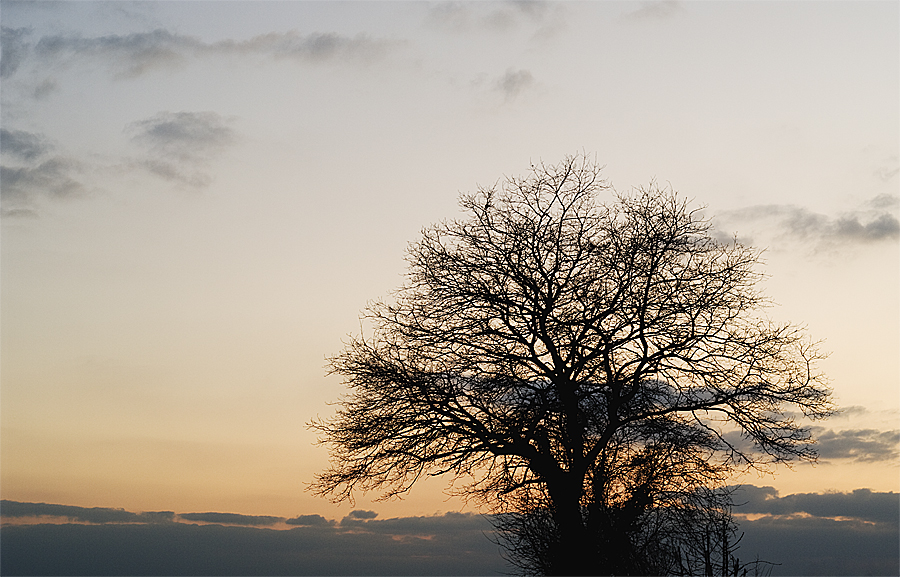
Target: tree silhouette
{"x":592,"y":371}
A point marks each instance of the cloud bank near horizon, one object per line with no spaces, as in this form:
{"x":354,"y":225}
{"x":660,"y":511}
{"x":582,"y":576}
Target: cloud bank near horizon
{"x":807,"y":533}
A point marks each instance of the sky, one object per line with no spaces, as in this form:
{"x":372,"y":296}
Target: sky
{"x":199,"y":198}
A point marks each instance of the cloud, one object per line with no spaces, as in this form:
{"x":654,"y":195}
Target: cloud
{"x":855,"y":533}
{"x":16,"y":509}
{"x":133,"y":55}
{"x":861,"y":504}
{"x":806,"y":534}
{"x":316,"y":47}
{"x":128,"y":55}
{"x":514,"y":82}
{"x":232,"y":518}
{"x":865,"y":445}
{"x":819,"y":546}
{"x":183,"y":136}
{"x":662,"y":10}
{"x":13,"y":49}
{"x":22,"y":185}
{"x":39,"y":175}
{"x":455,"y":544}
{"x":179,"y":145}
{"x":875,"y":221}
{"x":888,"y":169}
{"x":541,"y":19}
{"x":360,"y":514}
{"x":44,"y":88}
{"x":309,"y":521}
{"x":23,"y":145}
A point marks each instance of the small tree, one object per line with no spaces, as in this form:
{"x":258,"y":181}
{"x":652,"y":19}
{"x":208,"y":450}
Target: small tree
{"x":592,"y":367}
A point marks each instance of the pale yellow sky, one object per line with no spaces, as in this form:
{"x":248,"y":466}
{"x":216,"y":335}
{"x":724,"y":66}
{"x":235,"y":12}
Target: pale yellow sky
{"x":199,"y":198}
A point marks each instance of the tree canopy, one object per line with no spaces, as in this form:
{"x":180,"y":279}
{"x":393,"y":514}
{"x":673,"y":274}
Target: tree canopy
{"x":594,"y":365}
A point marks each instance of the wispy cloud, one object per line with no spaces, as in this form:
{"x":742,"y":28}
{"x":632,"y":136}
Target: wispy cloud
{"x":538,"y":18}
{"x":132,"y":55}
{"x":500,"y":16}
{"x":865,"y":445}
{"x":13,"y":49}
{"x":128,"y":55}
{"x":662,"y":10}
{"x":40,"y":175}
{"x":875,"y":221}
{"x":179,"y":145}
{"x":514,"y":82}
{"x":23,"y":145}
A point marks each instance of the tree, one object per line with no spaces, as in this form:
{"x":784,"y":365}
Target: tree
{"x":592,"y":370}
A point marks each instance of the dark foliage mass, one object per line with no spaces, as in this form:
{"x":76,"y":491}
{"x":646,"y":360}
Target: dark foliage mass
{"x":583,"y":363}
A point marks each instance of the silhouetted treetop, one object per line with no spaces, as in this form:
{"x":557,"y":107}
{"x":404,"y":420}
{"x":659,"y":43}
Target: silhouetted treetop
{"x":595,"y":354}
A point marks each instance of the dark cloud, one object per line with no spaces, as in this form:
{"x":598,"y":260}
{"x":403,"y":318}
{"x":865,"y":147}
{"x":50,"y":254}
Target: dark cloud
{"x":514,"y":82}
{"x":861,"y":504}
{"x":16,"y":509}
{"x":20,"y":186}
{"x":875,"y":222}
{"x":132,"y":55}
{"x":360,"y":514}
{"x":309,"y":521}
{"x":454,"y":548}
{"x":662,"y":10}
{"x":852,"y":533}
{"x":232,"y":519}
{"x":180,"y":144}
{"x":13,"y":49}
{"x":884,"y":226}
{"x":804,"y":534}
{"x":822,"y":546}
{"x":866,"y":445}
{"x":23,"y":145}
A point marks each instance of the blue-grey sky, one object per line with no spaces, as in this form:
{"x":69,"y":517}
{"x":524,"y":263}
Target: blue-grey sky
{"x":199,"y":197}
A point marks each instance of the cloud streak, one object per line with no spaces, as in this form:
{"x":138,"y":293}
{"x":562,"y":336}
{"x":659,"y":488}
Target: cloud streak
{"x":136,"y":54}
{"x":876,"y":221}
{"x":232,"y":519}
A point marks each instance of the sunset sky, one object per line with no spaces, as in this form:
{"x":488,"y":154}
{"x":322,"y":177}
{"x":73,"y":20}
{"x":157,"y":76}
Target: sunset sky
{"x":199,"y":198}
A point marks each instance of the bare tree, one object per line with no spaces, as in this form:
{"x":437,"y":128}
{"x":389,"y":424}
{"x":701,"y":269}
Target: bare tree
{"x":597,"y":365}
